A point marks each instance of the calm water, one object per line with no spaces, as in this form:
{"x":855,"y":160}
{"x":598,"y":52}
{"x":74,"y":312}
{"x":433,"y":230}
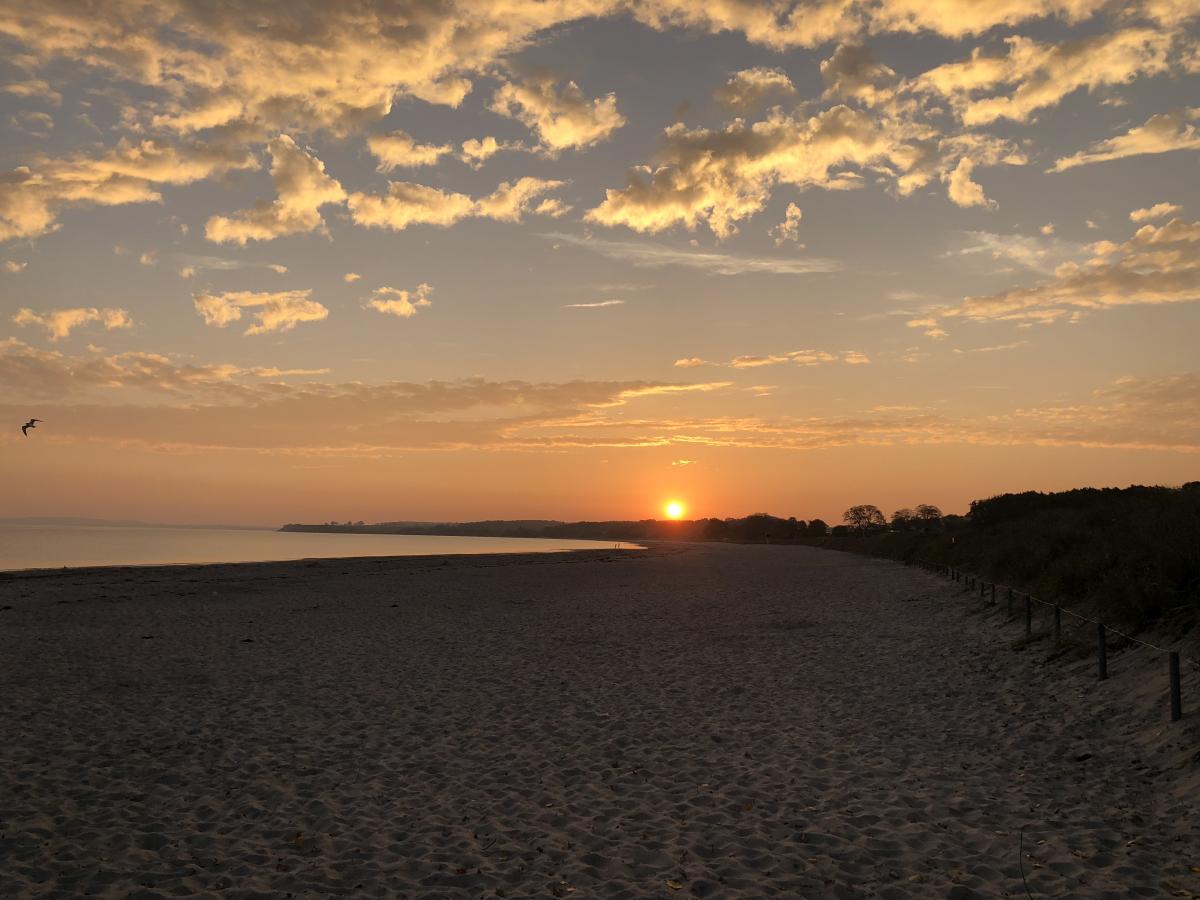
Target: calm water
{"x":53,"y":546}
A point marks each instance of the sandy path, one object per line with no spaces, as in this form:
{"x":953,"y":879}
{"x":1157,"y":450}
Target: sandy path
{"x":721,"y":721}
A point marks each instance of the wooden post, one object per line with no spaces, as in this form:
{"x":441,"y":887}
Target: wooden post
{"x":1010,"y":603}
{"x":993,"y":594}
{"x":981,"y":588}
{"x":1057,"y":624}
{"x":1028,"y":615}
{"x":1176,"y":696}
{"x":1102,"y":650}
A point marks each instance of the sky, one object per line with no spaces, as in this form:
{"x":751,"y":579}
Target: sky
{"x":423,"y":260}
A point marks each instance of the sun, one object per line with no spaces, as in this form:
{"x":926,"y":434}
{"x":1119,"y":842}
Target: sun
{"x":674,"y":510}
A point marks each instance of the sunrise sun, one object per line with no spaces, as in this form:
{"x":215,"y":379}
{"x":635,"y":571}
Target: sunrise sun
{"x":674,"y":510}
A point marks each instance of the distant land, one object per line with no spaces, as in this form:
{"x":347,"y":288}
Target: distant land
{"x":1130,"y":552}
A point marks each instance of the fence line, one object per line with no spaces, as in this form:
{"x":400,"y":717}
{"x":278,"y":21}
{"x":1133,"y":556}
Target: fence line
{"x":970,"y":582}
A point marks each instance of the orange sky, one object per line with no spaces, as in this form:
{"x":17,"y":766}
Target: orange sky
{"x":573,"y":259}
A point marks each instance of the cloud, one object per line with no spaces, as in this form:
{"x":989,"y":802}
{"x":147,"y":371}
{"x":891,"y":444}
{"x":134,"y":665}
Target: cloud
{"x":32,"y":372}
{"x":37,"y":124}
{"x":552,"y":207}
{"x":996,"y":348}
{"x":32,"y":197}
{"x":34,"y":89}
{"x":408,"y":204}
{"x":965,"y":192}
{"x":193,"y":264}
{"x":1042,"y":254}
{"x":302,"y":188}
{"x":779,"y":26}
{"x":654,"y":256}
{"x":241,"y":75}
{"x":397,"y":149}
{"x":1047,"y":229}
{"x":562,"y":120}
{"x":749,"y":88}
{"x":719,"y":177}
{"x":400,"y":303}
{"x":1031,"y":76}
{"x":12,"y":266}
{"x":796,"y":357}
{"x":150,"y":400}
{"x":680,"y":463}
{"x":596,"y":305}
{"x":1162,"y":133}
{"x":1159,"y":264}
{"x":853,"y":73}
{"x":799,"y":358}
{"x":335,"y":68}
{"x":789,"y":228}
{"x":342,"y":67}
{"x":351,"y":277}
{"x":476,"y":151}
{"x":1157,"y":211}
{"x":59,"y":323}
{"x":274,"y":310}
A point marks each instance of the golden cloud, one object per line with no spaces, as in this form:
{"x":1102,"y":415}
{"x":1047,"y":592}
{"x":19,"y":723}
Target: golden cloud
{"x":720,"y":177}
{"x":1031,"y":76}
{"x":749,"y":88}
{"x":397,"y":149}
{"x":1157,"y":211}
{"x":302,"y":188}
{"x":408,"y":204}
{"x":112,"y":399}
{"x":1162,"y":133}
{"x":789,"y":228}
{"x":962,"y":190}
{"x":400,"y":303}
{"x":853,"y":73}
{"x":1159,"y":264}
{"x":274,"y":310}
{"x":562,"y":119}
{"x":32,"y":197}
{"x":59,"y":323}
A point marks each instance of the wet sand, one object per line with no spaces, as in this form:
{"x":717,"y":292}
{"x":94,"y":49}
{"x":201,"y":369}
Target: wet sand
{"x":699,"y":720}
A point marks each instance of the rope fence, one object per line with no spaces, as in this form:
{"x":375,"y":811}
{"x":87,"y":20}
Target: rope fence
{"x":988,"y":592}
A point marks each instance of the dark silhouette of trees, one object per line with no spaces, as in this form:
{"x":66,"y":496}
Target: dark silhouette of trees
{"x":816,"y":528}
{"x":863,"y":517}
{"x":903,"y":519}
{"x":927,"y":512}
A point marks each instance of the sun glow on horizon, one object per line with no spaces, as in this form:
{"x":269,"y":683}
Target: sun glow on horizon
{"x":674,"y":510}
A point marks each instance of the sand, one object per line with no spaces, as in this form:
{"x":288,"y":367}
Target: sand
{"x":697,"y":720}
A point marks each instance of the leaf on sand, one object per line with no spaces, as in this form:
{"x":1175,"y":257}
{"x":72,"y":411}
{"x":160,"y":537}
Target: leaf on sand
{"x":674,"y":885}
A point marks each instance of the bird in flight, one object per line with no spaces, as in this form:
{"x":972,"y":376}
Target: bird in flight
{"x":32,"y":423}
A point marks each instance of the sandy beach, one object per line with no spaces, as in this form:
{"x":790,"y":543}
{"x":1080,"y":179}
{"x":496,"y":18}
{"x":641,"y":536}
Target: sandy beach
{"x":697,"y":720}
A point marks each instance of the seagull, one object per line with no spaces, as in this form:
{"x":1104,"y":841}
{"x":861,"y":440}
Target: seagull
{"x":32,"y":423}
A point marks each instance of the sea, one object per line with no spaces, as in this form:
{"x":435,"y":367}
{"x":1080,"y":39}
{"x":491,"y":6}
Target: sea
{"x":29,"y":546}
